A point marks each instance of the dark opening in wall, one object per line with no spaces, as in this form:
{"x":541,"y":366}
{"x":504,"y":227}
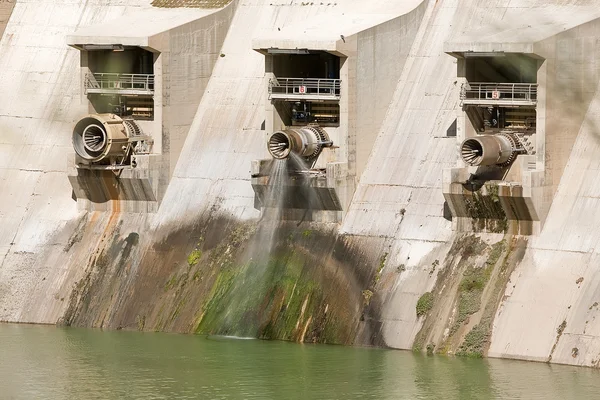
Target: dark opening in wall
{"x":502,"y":68}
{"x":137,"y":107}
{"x":131,"y":60}
{"x":121,"y":81}
{"x":315,"y":64}
{"x":301,"y":113}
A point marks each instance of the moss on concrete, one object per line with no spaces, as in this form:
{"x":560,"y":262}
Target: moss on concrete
{"x":470,"y":290}
{"x":424,"y":304}
{"x":367,"y":294}
{"x":502,"y":258}
{"x":194,"y":257}
{"x":463,"y":280}
{"x":459,"y":255}
{"x":474,"y":343}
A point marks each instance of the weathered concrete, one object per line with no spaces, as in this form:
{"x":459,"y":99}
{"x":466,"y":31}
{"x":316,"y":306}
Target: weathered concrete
{"x":200,"y":264}
{"x":185,"y":46}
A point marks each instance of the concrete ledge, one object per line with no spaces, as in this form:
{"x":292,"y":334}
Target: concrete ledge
{"x":94,"y":188}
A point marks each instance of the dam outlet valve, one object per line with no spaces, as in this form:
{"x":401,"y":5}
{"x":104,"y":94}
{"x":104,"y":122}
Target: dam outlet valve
{"x":107,"y":138}
{"x":493,"y":149}
{"x":306,"y":142}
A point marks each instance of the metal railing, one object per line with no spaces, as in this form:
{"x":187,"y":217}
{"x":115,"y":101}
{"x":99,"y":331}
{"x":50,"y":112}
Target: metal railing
{"x":309,"y":87}
{"x":112,"y":82}
{"x":513,"y":93}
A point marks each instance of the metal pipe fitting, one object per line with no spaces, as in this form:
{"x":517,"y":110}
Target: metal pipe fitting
{"x":498,"y":149}
{"x":307,"y":142}
{"x":97,"y":137}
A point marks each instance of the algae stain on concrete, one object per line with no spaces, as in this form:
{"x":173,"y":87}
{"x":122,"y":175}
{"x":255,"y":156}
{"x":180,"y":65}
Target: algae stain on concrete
{"x":99,"y":290}
{"x":485,"y":210}
{"x":505,"y":255}
{"x":279,"y":299}
{"x":474,"y":286}
{"x":207,"y":278}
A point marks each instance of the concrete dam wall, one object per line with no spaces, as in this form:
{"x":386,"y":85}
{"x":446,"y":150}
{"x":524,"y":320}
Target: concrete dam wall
{"x":444,"y":200}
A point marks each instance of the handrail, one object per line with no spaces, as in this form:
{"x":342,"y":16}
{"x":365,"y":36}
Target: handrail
{"x":106,"y":81}
{"x":305,"y":86}
{"x":490,"y":91}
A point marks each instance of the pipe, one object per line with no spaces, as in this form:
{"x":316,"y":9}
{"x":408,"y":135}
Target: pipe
{"x":496,"y":149}
{"x":307,"y":142}
{"x":98,"y":137}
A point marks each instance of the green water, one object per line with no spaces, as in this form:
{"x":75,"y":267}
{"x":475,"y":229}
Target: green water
{"x":38,"y":362}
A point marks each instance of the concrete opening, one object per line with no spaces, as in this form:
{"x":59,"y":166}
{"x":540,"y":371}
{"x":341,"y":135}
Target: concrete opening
{"x":501,"y":67}
{"x":300,"y":113}
{"x":305,"y":87}
{"x":309,"y":64}
{"x":499,"y":96}
{"x":121,"y":80}
{"x":303,"y":121}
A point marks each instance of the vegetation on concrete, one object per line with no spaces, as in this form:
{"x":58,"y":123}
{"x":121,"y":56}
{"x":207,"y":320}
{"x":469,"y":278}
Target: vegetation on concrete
{"x":561,"y":328}
{"x":367,"y":294}
{"x":430,"y":349}
{"x":559,"y":331}
{"x":171,"y":283}
{"x":194,"y":257}
{"x":271,"y":296}
{"x":462,"y":250}
{"x":472,"y":285}
{"x":380,"y":268}
{"x":486,"y":211}
{"x":424,"y":304}
{"x":475,"y":341}
{"x":469,"y":293}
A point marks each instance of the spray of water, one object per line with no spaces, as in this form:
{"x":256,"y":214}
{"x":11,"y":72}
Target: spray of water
{"x":253,"y":282}
{"x":253,"y":279}
{"x":274,"y":199}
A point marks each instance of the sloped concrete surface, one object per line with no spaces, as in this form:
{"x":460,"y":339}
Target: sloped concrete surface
{"x":133,"y":270}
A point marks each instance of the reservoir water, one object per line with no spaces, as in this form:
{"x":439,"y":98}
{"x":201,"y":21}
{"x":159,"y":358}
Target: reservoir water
{"x":42,"y":362}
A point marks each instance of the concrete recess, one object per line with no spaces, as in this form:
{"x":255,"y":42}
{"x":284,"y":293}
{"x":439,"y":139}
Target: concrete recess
{"x":193,"y":265}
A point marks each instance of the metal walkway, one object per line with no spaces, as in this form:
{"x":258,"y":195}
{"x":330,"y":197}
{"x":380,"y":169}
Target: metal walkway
{"x":499,"y":94}
{"x":126,"y":84}
{"x":304,"y":89}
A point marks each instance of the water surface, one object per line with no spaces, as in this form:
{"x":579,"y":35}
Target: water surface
{"x":41,"y":362}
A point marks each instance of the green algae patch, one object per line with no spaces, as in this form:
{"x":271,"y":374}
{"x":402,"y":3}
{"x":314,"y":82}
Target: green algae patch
{"x":503,"y":257}
{"x":194,"y":257}
{"x":473,"y":283}
{"x":474,"y":343}
{"x":424,"y":304}
{"x":466,"y":288}
{"x":274,"y":299}
{"x":380,"y":268}
{"x":469,"y":293}
{"x":367,"y":294}
{"x":444,"y":290}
